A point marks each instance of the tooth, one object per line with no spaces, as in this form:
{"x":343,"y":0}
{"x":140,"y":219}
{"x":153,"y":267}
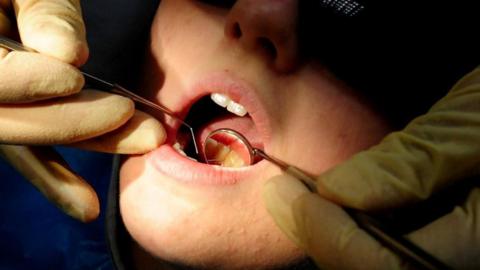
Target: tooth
{"x":221,"y":100}
{"x":177,"y":146}
{"x":191,"y":158}
{"x":236,"y":108}
{"x":179,"y":149}
{"x":181,"y":152}
{"x":232,"y":106}
{"x":220,"y":154}
{"x":233,"y":160}
{"x":215,"y":152}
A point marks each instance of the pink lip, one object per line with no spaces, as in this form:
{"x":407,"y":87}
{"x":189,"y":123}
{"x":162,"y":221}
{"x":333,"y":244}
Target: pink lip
{"x":169,"y":162}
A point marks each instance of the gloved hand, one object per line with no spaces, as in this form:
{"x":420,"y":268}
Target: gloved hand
{"x":41,"y":103}
{"x":435,"y":152}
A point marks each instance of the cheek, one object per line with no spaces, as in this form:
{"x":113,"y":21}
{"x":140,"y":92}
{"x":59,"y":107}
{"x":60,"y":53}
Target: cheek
{"x":324,"y":124}
{"x":220,"y":227}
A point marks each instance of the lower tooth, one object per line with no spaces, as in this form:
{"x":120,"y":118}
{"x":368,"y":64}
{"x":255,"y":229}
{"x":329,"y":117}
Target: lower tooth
{"x":179,"y":149}
{"x":177,"y":146}
{"x":219,"y":154}
{"x":215,"y":152}
{"x":233,"y":160}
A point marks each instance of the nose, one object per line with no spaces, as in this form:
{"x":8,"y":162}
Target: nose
{"x":266,"y":27}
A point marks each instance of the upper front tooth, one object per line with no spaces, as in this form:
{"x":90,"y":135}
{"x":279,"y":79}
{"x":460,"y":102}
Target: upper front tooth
{"x":232,"y":106}
{"x":220,"y":99}
{"x":236,"y":108}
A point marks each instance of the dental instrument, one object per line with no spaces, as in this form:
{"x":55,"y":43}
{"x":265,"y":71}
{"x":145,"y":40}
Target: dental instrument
{"x":107,"y":86}
{"x":396,"y":242}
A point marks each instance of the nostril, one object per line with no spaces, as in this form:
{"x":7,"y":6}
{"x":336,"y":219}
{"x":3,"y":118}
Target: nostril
{"x":268,"y":47}
{"x":267,"y":30}
{"x":236,"y":31}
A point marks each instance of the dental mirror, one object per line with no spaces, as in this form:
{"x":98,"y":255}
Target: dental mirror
{"x":229,"y":148}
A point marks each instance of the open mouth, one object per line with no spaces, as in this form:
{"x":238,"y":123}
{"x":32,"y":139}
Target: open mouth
{"x":219,"y":102}
{"x":211,"y":113}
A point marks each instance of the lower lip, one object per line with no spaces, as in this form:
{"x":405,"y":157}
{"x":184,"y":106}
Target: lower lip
{"x":172,"y":164}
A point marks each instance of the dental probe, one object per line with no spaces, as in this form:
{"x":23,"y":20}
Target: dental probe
{"x":112,"y":87}
{"x":393,"y":240}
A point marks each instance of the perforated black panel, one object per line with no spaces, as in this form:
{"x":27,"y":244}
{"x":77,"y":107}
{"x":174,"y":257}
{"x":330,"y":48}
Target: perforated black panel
{"x":344,"y":7}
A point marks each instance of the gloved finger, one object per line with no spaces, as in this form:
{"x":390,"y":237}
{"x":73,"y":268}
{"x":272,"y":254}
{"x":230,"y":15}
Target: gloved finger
{"x":50,"y":174}
{"x":323,"y":229}
{"x":454,"y":237}
{"x":85,"y":115}
{"x":28,"y":77}
{"x":53,"y":27}
{"x":141,"y":134}
{"x":432,"y":152}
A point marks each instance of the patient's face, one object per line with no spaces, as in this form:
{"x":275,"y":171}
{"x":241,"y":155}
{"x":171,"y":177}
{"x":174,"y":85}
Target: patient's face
{"x":214,"y":217}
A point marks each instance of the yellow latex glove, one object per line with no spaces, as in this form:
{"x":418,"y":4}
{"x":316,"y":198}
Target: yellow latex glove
{"x":41,"y":103}
{"x":435,"y":151}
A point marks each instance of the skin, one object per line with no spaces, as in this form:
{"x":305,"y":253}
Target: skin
{"x":316,"y":122}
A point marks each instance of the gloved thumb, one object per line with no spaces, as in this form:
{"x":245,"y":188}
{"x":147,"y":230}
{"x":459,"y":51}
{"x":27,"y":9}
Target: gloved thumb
{"x":323,"y":229}
{"x":54,"y":28}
